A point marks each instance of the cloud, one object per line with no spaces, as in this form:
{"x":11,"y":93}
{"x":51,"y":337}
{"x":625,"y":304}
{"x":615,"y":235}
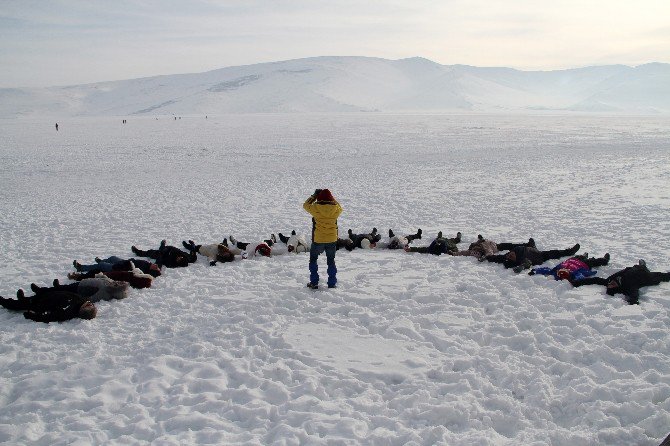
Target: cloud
{"x":125,"y":39}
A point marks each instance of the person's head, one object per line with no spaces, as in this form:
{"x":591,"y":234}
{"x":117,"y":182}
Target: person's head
{"x":264,"y":250}
{"x":563,"y":274}
{"x":613,"y":286}
{"x":181,"y":261}
{"x":225,"y":257}
{"x":365,"y":244}
{"x":154,"y":270}
{"x":87,"y":310}
{"x":325,"y":195}
{"x":510,"y":256}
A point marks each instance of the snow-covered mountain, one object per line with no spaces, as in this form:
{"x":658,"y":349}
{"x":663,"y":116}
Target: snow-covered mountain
{"x":352,"y":84}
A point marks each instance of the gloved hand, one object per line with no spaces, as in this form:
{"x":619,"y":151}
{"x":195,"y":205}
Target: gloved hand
{"x":212,"y":263}
{"x":531,"y":272}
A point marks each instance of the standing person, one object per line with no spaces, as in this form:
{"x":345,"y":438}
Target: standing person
{"x":324,"y":210}
{"x":56,"y":126}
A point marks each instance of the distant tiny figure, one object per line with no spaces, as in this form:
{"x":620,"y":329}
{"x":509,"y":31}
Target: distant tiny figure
{"x":56,"y":126}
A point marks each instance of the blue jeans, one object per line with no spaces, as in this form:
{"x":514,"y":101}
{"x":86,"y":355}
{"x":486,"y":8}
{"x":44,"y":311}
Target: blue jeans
{"x":105,"y":265}
{"x":318,"y":248}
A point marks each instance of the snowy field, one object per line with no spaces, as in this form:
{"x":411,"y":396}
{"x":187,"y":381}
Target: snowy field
{"x":410,"y":349}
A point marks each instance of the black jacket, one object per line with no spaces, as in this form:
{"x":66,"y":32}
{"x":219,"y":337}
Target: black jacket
{"x":55,"y":306}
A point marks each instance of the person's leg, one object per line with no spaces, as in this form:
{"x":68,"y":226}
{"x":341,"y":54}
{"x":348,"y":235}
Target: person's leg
{"x":593,"y":262}
{"x":558,"y":253}
{"x":654,"y":278}
{"x":111,"y":259}
{"x":331,"y":248}
{"x":14,"y":304}
{"x":97,"y":267}
{"x":420,"y":249}
{"x":317,"y":248}
{"x":410,"y":238}
{"x":283,"y":238}
{"x":151,"y":253}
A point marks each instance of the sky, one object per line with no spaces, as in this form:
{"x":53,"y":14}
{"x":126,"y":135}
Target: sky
{"x":67,"y":42}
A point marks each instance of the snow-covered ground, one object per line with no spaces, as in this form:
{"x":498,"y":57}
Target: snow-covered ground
{"x":410,"y":349}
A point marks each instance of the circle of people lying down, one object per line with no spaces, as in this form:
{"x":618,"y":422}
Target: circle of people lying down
{"x":111,"y":278}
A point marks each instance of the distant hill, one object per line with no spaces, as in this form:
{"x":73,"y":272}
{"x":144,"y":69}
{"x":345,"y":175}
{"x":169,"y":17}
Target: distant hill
{"x":353,"y":84}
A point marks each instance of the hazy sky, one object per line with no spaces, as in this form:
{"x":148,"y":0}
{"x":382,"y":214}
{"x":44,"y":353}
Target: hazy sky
{"x":60,"y":42}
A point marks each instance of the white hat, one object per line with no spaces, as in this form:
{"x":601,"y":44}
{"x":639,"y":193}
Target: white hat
{"x":365,"y":243}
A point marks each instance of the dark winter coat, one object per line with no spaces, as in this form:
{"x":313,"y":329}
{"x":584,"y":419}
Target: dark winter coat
{"x":55,"y":306}
{"x":630,"y":280}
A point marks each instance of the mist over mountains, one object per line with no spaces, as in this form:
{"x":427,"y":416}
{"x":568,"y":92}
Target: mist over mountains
{"x":355,"y":84}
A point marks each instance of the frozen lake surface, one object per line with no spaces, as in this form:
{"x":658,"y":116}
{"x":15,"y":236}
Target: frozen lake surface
{"x":410,"y":349}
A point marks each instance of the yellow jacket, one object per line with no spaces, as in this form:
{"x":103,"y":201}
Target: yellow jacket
{"x":324,"y":219}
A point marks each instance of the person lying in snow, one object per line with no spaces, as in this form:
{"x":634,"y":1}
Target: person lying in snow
{"x":345,"y":243}
{"x":263,"y":248}
{"x":399,"y":241}
{"x":53,"y":306}
{"x":296,"y":243}
{"x":627,"y":281}
{"x":218,"y":252}
{"x":439,"y":246}
{"x":114,"y":263}
{"x":136,"y":278}
{"x":365,"y":241}
{"x":94,"y":289}
{"x":167,"y":256}
{"x":574,"y":268}
{"x":483,"y":247}
{"x":523,"y":257}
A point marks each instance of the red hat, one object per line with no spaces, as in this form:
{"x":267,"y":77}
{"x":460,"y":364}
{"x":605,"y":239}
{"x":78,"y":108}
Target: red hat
{"x":563,"y":274}
{"x":325,"y":195}
{"x":263,"y":249}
